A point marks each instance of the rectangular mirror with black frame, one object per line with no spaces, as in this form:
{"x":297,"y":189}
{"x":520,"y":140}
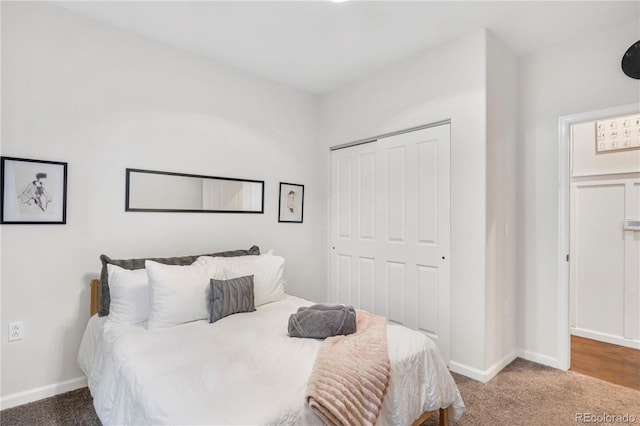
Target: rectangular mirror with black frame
{"x":156,"y":191}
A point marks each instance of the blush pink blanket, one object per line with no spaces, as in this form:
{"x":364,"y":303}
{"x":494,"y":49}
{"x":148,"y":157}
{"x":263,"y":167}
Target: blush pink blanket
{"x":351,"y":374}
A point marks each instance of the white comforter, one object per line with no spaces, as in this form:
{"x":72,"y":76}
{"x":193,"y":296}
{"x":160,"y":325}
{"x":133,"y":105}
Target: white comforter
{"x":243,"y":369}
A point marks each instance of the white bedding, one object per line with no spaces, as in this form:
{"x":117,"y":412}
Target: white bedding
{"x":243,"y":369}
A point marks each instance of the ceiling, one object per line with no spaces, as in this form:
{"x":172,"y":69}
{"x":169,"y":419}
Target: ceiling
{"x":318,"y":46}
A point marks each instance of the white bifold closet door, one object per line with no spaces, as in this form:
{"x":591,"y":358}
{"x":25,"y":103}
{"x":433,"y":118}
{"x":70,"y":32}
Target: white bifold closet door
{"x":390,"y":230}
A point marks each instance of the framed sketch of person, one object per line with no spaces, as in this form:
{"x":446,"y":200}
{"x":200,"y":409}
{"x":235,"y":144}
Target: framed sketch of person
{"x":291,"y":204}
{"x":33,"y":191}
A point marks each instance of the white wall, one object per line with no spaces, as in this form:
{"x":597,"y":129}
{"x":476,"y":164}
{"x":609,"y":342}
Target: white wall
{"x":502,"y":88}
{"x":576,"y":77}
{"x":103,"y":99}
{"x":447,"y":82}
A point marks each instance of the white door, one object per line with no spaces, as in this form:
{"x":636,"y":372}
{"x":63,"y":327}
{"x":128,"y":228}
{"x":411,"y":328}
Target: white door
{"x":390,"y":230}
{"x":605,"y":260}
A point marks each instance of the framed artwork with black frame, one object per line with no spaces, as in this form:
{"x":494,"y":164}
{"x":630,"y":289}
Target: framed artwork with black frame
{"x":33,"y":191}
{"x":291,"y":203}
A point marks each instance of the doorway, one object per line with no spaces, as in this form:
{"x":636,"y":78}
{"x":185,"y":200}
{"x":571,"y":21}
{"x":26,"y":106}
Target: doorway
{"x":599,"y":291}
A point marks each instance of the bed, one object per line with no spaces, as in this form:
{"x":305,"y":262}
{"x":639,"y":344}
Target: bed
{"x":242,"y":369}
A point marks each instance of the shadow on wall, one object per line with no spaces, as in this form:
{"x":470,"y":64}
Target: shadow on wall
{"x":70,"y":342}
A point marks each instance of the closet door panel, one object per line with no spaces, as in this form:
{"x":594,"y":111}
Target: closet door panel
{"x":353,"y":231}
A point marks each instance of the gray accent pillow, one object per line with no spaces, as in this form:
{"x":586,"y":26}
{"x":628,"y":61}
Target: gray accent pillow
{"x":232,"y":296}
{"x":104,"y":299}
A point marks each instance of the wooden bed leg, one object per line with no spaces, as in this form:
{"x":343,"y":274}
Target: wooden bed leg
{"x":444,"y":416}
{"x":93,"y":308}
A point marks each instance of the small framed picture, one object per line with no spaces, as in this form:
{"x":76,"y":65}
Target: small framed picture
{"x":291,"y":203}
{"x":33,"y":191}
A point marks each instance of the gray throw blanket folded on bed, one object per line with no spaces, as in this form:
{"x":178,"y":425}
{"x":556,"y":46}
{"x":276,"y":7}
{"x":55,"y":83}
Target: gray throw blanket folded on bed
{"x":322,"y":321}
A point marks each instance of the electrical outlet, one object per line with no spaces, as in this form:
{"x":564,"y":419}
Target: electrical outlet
{"x":16,"y":331}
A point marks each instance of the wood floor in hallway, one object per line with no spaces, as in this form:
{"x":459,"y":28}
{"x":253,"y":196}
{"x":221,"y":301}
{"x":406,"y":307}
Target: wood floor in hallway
{"x":613,"y":363}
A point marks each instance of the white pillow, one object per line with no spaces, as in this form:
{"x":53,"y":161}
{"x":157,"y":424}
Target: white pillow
{"x":267,"y":271}
{"x":129,"y":292}
{"x":178,"y":294}
{"x":212,"y":266}
{"x":215,"y":264}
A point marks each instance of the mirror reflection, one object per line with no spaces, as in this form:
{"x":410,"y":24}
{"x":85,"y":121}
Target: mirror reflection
{"x":149,"y":190}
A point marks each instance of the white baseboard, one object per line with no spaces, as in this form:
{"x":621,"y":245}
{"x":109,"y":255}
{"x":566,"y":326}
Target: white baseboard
{"x":539,"y":358}
{"x":499,"y":365}
{"x":482,"y":375}
{"x":465,"y":370}
{"x":42,"y":392}
{"x":605,"y":337}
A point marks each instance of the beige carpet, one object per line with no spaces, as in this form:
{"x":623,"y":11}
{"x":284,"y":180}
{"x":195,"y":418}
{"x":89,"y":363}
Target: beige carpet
{"x":524,"y":393}
{"x":71,"y":408}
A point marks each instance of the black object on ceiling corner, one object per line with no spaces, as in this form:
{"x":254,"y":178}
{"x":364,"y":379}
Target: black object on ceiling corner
{"x":631,"y":61}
